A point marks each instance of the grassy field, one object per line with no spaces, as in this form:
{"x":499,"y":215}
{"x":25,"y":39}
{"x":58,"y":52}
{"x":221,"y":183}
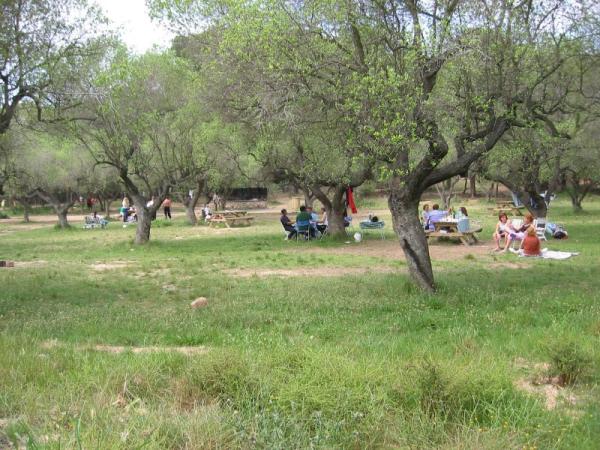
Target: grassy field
{"x":302,"y":344}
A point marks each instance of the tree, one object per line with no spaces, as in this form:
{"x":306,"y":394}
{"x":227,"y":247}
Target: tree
{"x":139,"y":105}
{"x":43,"y":48}
{"x":427,"y":88}
{"x":54,"y":169}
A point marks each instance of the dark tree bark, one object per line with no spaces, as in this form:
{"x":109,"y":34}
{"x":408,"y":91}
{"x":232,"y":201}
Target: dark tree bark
{"x":61,"y":207}
{"x":404,"y":207}
{"x":335,"y":208}
{"x":577,"y":190}
{"x":473,"y":186}
{"x":25,"y":202}
{"x":190,"y":203}
{"x":309,"y":196}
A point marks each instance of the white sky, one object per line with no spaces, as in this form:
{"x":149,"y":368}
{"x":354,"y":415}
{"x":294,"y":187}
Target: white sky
{"x":131,"y":18}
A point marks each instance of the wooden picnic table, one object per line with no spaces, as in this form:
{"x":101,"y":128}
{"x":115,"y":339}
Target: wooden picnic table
{"x":508,"y":209}
{"x":449,"y":228}
{"x":233,"y":213}
{"x":230,"y":219}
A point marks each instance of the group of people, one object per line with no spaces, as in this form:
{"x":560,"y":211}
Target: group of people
{"x":524,"y":232}
{"x":128,"y":212}
{"x":307,"y":219}
{"x":433,"y":214}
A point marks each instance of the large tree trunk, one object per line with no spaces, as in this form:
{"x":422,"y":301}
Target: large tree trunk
{"x":190,"y":205}
{"x":309,"y":197}
{"x":144,"y":224}
{"x":473,"y":185}
{"x":576,"y":202}
{"x":335,"y":219}
{"x":26,"y":204}
{"x":404,"y":207}
{"x":335,"y":210}
{"x":61,"y":212}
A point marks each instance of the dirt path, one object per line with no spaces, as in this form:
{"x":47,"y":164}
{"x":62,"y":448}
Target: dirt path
{"x":390,"y":249}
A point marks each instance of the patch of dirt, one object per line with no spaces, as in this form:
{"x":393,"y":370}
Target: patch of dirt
{"x":507,"y":265}
{"x":391,"y":249}
{"x":309,"y":271}
{"x":165,"y":272}
{"x":117,"y":349}
{"x":30,"y":264}
{"x":549,"y":390}
{"x":110,"y":266}
{"x":542,"y":385}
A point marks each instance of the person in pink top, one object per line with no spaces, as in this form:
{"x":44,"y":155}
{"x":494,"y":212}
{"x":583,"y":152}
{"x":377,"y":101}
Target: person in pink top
{"x":167,"y":207}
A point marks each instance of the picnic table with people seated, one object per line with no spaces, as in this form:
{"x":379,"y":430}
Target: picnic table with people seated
{"x":455,"y":228}
{"x":94,"y":221}
{"x":446,"y":223}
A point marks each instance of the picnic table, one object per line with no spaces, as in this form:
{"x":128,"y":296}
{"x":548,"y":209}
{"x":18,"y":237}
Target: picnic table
{"x":449,"y":228}
{"x":229,"y":218}
{"x":507,"y":207}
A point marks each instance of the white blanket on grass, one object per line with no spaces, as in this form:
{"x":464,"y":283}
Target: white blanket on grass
{"x":549,"y":254}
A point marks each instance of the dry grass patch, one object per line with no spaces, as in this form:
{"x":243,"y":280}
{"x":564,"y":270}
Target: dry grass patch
{"x":309,"y":272}
{"x":117,"y":349}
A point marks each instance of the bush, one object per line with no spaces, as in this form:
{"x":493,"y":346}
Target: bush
{"x":4,"y":216}
{"x":569,"y":361}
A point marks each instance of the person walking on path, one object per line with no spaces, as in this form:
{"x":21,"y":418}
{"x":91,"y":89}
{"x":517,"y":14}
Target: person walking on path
{"x":167,"y":208}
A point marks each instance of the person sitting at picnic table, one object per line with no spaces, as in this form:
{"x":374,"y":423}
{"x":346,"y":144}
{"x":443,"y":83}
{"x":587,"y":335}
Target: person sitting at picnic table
{"x":531,"y":245}
{"x":124,"y":212}
{"x":287,"y":224}
{"x":436,"y":215}
{"x":322,"y":224}
{"x":132,"y":214}
{"x":347,"y":219}
{"x":95,"y":218}
{"x":462,"y":212}
{"x":206,"y":214}
{"x":304,"y":216}
{"x":425,"y":216}
{"x":314,"y":217}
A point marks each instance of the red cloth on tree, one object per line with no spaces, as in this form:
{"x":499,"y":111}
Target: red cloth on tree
{"x":350,"y":200}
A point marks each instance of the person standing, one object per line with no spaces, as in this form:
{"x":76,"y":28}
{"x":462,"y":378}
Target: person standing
{"x":167,"y":207}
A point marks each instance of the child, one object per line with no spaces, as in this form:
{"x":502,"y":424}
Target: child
{"x":501,"y":232}
{"x":530,"y":245}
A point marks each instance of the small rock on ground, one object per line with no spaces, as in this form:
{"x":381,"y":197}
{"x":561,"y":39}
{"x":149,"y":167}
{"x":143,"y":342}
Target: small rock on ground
{"x":200,"y":302}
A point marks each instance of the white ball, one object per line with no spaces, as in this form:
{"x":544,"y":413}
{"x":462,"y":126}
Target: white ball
{"x":357,"y":237}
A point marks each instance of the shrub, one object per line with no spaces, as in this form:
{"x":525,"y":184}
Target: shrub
{"x":569,"y":361}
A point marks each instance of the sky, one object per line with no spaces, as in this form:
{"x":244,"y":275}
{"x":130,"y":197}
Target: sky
{"x":136,"y":28}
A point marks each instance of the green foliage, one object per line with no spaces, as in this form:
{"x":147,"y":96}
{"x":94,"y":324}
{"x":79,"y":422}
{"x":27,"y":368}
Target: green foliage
{"x":570,"y":362}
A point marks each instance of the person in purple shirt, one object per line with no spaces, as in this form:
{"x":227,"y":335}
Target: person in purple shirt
{"x":287,"y":224}
{"x":436,"y":214}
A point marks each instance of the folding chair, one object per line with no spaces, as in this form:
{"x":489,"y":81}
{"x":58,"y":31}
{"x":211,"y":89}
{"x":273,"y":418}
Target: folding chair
{"x":303,"y":228}
{"x":540,"y":227}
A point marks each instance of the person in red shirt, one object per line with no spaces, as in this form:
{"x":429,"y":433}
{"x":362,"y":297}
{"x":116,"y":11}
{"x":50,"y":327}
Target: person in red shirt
{"x":530,"y":245}
{"x":167,"y":207}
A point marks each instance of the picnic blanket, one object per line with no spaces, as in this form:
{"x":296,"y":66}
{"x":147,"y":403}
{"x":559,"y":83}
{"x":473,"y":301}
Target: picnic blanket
{"x":367,"y":224}
{"x":548,"y":254}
